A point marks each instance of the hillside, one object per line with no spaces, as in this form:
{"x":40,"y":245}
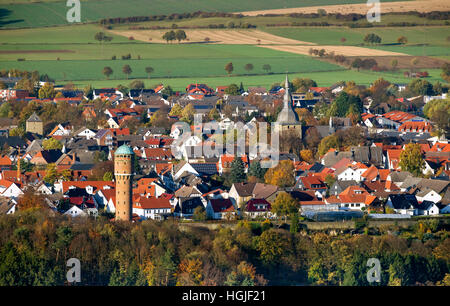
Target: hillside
{"x":51,"y":12}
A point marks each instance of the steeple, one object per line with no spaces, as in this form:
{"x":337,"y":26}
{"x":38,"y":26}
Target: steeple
{"x":287,"y":114}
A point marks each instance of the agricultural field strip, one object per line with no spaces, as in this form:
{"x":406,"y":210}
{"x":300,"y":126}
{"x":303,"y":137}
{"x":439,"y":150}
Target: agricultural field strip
{"x":238,"y":37}
{"x":344,"y":50}
{"x":386,"y":7}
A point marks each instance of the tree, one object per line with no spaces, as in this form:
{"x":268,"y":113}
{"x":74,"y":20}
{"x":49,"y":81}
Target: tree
{"x":266,"y":68}
{"x":101,"y":37}
{"x":180,"y":35}
{"x":232,"y":90}
{"x":248,"y":67}
{"x":107,"y":71}
{"x":307,"y":155}
{"x":149,"y":71}
{"x":394,"y":64}
{"x":213,"y":114}
{"x":328,"y":143}
{"x":372,"y":38}
{"x":271,"y":245}
{"x":411,"y":159}
{"x":126,"y":69}
{"x":169,"y":36}
{"x":284,"y":205}
{"x":420,"y":87}
{"x":237,"y":170}
{"x":446,"y":72}
{"x":187,"y":115}
{"x":357,"y":63}
{"x":136,"y":84}
{"x":439,"y":112}
{"x":255,"y":170}
{"x":51,"y":144}
{"x":51,"y":175}
{"x":30,"y":199}
{"x":176,"y":110}
{"x":281,"y":175}
{"x":47,"y":91}
{"x":108,"y":176}
{"x":329,"y":180}
{"x":303,"y":84}
{"x":402,"y":40}
{"x":199,"y":213}
{"x":229,"y":68}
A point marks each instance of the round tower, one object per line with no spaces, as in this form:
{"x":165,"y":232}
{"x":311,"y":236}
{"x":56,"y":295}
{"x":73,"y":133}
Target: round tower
{"x":123,"y":172}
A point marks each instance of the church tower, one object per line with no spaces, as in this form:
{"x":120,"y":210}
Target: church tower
{"x":287,"y":121}
{"x":123,"y":171}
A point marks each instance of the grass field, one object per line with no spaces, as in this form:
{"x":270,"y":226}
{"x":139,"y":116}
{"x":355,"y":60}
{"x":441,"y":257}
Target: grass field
{"x":333,"y":35}
{"x":184,"y":60}
{"x":54,"y":13}
{"x":322,"y":79}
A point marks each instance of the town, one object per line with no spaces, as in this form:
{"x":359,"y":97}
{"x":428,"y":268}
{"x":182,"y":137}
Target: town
{"x":190,"y":146}
{"x":381,"y":151}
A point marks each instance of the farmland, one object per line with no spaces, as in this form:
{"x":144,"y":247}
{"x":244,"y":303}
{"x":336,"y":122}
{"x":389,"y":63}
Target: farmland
{"x":184,"y":60}
{"x":402,"y":6}
{"x":322,"y":79}
{"x":46,"y":13}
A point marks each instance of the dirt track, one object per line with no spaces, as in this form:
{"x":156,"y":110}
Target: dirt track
{"x":344,"y":50}
{"x":386,"y":7}
{"x":241,"y":37}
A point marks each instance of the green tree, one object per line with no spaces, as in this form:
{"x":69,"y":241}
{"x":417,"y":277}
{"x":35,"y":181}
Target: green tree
{"x":136,"y":84}
{"x":180,"y":35}
{"x":51,"y":174}
{"x":284,"y":205}
{"x":107,"y":71}
{"x":187,"y":115}
{"x":237,"y":170}
{"x":169,"y":36}
{"x":51,"y":144}
{"x":108,"y":176}
{"x":266,"y":68}
{"x":199,"y":214}
{"x":411,"y":159}
{"x":176,"y":110}
{"x":438,"y":111}
{"x":126,"y":69}
{"x":420,"y":87}
{"x":47,"y":91}
{"x":248,"y":67}
{"x":149,"y":70}
{"x":232,"y":90}
{"x":328,"y":143}
{"x":271,"y":246}
{"x":229,"y":68}
{"x":256,"y":170}
{"x":213,"y":114}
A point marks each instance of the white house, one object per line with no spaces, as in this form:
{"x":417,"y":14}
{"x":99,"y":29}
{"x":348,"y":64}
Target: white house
{"x":9,"y":189}
{"x":152,"y":208}
{"x":85,"y":132}
{"x":428,"y":195}
{"x":75,"y":211}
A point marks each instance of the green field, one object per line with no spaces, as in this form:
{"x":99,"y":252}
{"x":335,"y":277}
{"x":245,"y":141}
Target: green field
{"x":44,"y":13}
{"x":333,"y":35}
{"x":86,"y":62}
{"x":322,"y":79}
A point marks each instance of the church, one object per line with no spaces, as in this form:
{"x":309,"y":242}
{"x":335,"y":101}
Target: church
{"x":287,"y":121}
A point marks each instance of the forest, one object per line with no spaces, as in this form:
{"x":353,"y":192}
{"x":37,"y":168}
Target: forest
{"x":36,"y":243}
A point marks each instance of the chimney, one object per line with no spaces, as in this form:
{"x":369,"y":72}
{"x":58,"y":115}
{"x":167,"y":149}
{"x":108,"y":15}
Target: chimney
{"x":74,"y":158}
